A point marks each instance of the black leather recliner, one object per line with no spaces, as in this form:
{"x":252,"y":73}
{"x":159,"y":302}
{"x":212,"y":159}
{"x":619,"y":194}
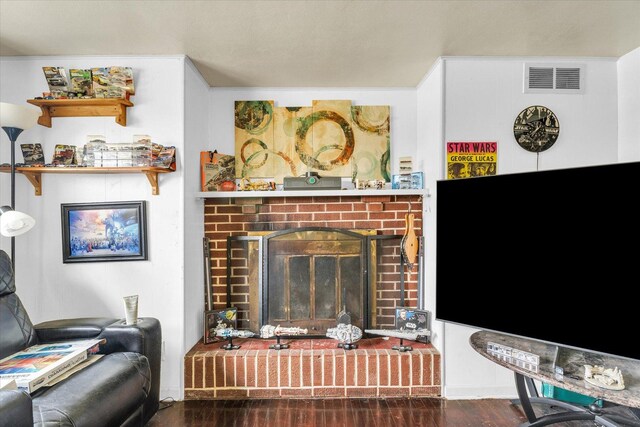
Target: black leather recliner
{"x":120,"y":389}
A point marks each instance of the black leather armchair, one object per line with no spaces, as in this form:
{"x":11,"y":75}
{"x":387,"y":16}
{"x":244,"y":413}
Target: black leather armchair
{"x":121,"y":389}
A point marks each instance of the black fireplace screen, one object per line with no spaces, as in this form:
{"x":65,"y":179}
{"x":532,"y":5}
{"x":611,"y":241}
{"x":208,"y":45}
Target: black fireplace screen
{"x":311,"y":275}
{"x":304,"y":277}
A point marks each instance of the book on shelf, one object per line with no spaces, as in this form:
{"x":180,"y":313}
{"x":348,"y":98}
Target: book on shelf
{"x":38,"y":365}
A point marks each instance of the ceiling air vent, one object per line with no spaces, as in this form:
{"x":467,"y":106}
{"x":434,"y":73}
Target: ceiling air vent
{"x":552,"y":78}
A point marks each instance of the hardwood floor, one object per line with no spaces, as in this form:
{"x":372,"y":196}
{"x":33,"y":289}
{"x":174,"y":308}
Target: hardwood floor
{"x":340,"y":412}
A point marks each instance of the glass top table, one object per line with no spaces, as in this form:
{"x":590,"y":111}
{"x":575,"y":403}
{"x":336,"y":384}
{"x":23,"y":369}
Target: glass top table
{"x":562,"y":367}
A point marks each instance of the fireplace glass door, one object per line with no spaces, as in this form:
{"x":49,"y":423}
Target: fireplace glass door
{"x":313,"y":274}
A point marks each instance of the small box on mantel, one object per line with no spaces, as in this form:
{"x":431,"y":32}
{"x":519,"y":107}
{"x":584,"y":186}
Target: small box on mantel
{"x":408,"y":181}
{"x":312,"y":181}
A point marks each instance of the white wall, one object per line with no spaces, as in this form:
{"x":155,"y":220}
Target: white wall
{"x":401,"y":101}
{"x":629,"y":106}
{"x":482,"y":98}
{"x":50,"y":289}
{"x":460,"y":99}
{"x":430,"y":116}
{"x":197,"y":116}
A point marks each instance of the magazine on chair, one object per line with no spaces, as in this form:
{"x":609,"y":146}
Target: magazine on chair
{"x":36,"y":366}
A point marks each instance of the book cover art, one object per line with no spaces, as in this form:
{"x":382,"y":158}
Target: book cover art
{"x":470,"y":159}
{"x":37,"y":365}
{"x":30,"y":363}
{"x":64,"y":155}
{"x":81,"y":81}
{"x":215,"y":169}
{"x":32,"y":154}
{"x":56,"y":79}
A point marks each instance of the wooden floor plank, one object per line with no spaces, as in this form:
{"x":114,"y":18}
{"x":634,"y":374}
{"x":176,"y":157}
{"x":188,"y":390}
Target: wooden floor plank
{"x":423,"y":412}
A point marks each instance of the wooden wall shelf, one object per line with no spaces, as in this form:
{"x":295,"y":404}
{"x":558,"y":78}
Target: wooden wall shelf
{"x":93,"y":107}
{"x":34,"y":174}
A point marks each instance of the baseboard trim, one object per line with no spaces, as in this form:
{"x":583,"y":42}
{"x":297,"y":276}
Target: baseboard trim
{"x":175,"y":393}
{"x":475,"y":392}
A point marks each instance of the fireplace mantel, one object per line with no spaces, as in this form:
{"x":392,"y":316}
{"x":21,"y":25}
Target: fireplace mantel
{"x":308,"y":193}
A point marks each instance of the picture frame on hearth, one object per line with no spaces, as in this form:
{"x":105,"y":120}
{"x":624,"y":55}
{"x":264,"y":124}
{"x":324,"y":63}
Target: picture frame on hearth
{"x":101,"y":232}
{"x":217,"y":319}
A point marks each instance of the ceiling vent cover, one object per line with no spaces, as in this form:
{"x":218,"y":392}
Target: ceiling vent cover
{"x":550,"y":78}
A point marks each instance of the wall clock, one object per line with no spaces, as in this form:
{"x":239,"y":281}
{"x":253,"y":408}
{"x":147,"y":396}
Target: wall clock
{"x":536,"y":128}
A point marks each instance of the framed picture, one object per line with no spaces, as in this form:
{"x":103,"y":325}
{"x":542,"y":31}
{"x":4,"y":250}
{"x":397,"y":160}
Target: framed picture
{"x":111,"y":231}
{"x":216,"y":319}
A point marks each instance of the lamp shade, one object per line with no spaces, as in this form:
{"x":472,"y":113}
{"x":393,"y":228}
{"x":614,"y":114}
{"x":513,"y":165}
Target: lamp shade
{"x":14,"y":223}
{"x":18,"y":116}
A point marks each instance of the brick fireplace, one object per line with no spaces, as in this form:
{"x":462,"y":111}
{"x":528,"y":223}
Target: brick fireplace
{"x":254,"y":371}
{"x":240,"y":217}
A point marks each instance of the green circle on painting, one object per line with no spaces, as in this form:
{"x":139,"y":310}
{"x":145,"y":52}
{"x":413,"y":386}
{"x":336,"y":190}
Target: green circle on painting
{"x":372,"y":119}
{"x":253,"y":116}
{"x":305,"y":124}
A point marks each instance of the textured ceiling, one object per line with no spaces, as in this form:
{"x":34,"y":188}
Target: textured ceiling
{"x":319,"y":43}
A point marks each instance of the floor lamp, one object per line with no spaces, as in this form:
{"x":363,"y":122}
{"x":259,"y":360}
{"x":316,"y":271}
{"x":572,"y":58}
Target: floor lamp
{"x":14,"y":119}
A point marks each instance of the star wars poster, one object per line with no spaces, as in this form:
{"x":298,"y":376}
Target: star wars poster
{"x":471,"y":159}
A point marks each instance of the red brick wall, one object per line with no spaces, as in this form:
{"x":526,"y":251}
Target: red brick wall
{"x":236,"y":217}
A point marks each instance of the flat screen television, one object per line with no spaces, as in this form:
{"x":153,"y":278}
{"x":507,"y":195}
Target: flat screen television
{"x":551,"y":255}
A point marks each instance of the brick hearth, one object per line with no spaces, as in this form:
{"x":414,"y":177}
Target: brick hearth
{"x":311,"y":368}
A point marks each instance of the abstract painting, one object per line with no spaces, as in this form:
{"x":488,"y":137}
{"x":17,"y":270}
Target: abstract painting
{"x":333,"y":138}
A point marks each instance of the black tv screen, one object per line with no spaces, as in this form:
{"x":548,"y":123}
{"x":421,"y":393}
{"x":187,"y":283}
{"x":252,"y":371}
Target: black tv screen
{"x":551,"y":255}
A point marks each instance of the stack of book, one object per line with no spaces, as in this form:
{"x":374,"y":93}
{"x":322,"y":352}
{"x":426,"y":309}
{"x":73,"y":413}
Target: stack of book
{"x":41,"y":365}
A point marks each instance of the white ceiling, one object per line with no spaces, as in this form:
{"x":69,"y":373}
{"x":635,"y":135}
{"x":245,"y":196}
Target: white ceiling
{"x":319,"y":43}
